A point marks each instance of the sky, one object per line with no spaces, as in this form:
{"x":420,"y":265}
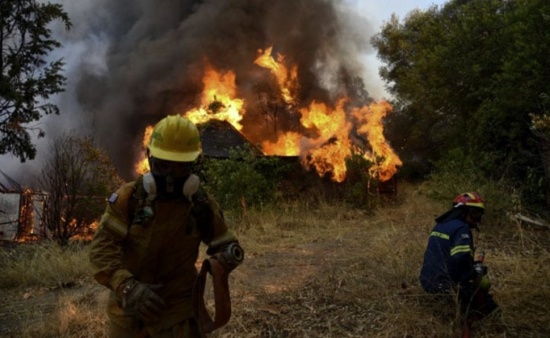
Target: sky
{"x":376,"y":14}
{"x":379,"y":12}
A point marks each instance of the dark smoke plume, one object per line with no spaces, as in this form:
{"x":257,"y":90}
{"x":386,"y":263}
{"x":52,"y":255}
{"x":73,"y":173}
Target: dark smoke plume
{"x":157,"y":49}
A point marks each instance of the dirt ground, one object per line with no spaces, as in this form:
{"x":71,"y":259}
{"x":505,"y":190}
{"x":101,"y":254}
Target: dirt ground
{"x":267,"y":273}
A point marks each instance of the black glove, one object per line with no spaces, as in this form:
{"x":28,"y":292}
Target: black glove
{"x":142,"y":300}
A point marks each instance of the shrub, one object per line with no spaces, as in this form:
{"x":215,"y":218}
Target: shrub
{"x":457,"y":173}
{"x":243,"y":178}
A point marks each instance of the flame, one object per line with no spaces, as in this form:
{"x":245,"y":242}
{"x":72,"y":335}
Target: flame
{"x":86,"y":233}
{"x":142,"y":166}
{"x":324,"y":143}
{"x":218,"y":99}
{"x":328,"y":151}
{"x":385,"y":159}
{"x":25,"y":229}
{"x":287,"y":78}
{"x":287,"y":144}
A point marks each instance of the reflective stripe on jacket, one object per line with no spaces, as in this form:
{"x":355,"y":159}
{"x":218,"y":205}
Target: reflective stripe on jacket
{"x":161,"y":250}
{"x":448,"y":260}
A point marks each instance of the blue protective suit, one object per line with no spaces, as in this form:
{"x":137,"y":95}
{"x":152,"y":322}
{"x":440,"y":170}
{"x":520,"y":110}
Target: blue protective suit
{"x":448,"y":260}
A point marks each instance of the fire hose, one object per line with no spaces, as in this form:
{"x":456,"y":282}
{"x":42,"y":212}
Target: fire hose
{"x":219,"y":266}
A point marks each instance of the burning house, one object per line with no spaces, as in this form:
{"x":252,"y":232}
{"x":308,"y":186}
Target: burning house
{"x":284,"y":76}
{"x":322,"y":135}
{"x":291,"y":86}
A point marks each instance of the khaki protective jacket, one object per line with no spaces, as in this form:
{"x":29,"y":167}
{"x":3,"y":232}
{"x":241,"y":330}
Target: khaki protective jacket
{"x":155,"y":241}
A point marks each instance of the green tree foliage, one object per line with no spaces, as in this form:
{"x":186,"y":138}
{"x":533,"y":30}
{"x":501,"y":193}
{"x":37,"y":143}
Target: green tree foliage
{"x":243,"y":178}
{"x":77,"y":177}
{"x":27,"y":80}
{"x":470,"y":75}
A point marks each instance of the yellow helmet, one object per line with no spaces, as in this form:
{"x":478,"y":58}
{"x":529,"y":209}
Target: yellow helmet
{"x":175,"y":138}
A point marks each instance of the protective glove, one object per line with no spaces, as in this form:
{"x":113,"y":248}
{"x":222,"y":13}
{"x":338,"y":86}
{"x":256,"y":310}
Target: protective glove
{"x":485,"y":283}
{"x":142,"y":300}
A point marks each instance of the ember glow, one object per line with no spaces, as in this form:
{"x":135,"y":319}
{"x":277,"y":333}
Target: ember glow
{"x":86,"y":233}
{"x":323,"y":142}
{"x":25,"y":231}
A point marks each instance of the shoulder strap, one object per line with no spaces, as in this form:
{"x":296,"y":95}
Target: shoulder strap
{"x":137,"y":200}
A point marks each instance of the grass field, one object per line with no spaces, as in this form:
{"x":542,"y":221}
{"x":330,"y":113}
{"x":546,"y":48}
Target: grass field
{"x":313,"y":269}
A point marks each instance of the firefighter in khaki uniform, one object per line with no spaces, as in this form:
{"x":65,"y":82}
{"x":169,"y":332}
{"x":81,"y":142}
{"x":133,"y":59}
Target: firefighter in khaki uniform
{"x":148,"y":240}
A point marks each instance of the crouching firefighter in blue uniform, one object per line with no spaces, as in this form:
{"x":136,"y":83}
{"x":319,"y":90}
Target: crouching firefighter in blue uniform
{"x":449,"y":266}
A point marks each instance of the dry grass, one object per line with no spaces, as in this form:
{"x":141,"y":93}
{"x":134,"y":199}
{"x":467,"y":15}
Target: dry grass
{"x":321,"y":269}
{"x":45,"y":265}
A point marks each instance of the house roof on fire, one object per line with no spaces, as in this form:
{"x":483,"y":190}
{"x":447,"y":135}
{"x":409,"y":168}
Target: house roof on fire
{"x":218,"y":137}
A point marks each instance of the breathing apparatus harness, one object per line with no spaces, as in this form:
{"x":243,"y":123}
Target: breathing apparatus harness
{"x":219,"y":265}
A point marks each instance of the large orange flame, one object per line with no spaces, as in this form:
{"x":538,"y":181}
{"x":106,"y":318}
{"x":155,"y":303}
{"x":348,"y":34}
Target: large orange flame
{"x":330,"y":145}
{"x":385,"y":160}
{"x":218,"y":99}
{"x":328,"y":151}
{"x":286,"y":78}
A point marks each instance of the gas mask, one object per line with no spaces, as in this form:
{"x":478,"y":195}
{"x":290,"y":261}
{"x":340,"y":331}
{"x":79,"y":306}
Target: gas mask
{"x":169,"y":177}
{"x":168,"y":186}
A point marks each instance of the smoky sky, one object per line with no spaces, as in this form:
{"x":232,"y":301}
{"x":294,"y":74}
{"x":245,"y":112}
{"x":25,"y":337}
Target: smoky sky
{"x":145,"y":59}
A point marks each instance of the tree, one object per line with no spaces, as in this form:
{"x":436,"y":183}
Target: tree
{"x":415,"y":77}
{"x":78,"y":177}
{"x":27,"y":80}
{"x":469,"y":76}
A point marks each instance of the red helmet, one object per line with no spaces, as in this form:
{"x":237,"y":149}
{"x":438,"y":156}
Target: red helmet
{"x":469,"y":199}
